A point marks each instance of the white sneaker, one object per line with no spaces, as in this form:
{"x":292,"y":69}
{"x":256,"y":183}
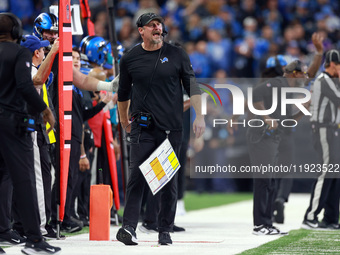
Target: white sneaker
{"x":127,"y":235}
{"x":261,"y":230}
{"x":265,"y":230}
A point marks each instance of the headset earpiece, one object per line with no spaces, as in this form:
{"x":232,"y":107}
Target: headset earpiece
{"x":16,"y":31}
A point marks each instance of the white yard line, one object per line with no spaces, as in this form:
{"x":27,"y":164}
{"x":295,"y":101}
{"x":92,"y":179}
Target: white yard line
{"x":218,"y":230}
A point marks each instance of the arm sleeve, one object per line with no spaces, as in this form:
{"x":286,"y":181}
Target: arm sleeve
{"x":23,"y":67}
{"x":188,"y":76}
{"x":125,"y":82}
{"x":89,"y":113}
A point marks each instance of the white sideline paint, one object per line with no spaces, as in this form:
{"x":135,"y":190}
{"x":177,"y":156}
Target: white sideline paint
{"x":219,"y":230}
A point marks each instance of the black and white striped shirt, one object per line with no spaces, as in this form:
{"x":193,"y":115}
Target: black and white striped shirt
{"x":325,"y":99}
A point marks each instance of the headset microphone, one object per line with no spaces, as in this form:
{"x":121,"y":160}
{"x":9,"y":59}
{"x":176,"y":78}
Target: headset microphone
{"x":165,"y":32}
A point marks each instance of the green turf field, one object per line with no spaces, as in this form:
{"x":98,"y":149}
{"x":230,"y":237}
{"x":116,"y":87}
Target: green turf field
{"x":195,"y":201}
{"x":301,"y":242}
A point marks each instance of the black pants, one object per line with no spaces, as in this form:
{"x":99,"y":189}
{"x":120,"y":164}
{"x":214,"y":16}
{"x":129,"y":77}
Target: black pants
{"x":45,"y":164}
{"x":71,"y":182}
{"x":143,"y":143}
{"x":284,"y":183}
{"x":82,"y":190}
{"x":152,"y":208}
{"x":263,"y":151}
{"x":6,"y":191}
{"x":103,"y":163}
{"x":82,"y":193}
{"x":16,"y":159}
{"x":326,"y":188}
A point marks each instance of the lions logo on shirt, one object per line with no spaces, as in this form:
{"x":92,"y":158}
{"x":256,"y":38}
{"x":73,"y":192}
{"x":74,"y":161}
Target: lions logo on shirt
{"x":165,"y":59}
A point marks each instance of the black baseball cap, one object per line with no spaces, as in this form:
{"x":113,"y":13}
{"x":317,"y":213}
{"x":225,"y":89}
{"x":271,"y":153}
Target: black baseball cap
{"x":145,"y":18}
{"x":332,"y":56}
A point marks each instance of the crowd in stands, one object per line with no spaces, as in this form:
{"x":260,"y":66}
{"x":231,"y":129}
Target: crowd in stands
{"x":234,"y":35}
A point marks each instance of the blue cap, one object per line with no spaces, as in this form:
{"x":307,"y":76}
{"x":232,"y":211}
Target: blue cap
{"x":33,"y":43}
{"x":271,"y":62}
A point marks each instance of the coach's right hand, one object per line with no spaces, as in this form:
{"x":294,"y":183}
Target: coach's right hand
{"x":126,"y":125}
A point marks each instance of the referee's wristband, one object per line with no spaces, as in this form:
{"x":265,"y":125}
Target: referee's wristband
{"x":83,"y":156}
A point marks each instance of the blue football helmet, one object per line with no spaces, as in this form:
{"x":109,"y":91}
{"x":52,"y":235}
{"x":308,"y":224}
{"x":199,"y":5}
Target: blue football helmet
{"x":274,"y":61}
{"x":45,"y":21}
{"x":95,"y":48}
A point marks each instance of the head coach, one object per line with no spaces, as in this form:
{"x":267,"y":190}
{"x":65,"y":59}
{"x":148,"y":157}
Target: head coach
{"x":152,"y":77}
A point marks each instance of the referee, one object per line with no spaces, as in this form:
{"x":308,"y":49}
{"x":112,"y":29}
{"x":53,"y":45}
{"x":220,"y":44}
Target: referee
{"x":16,"y":147}
{"x":326,"y":188}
